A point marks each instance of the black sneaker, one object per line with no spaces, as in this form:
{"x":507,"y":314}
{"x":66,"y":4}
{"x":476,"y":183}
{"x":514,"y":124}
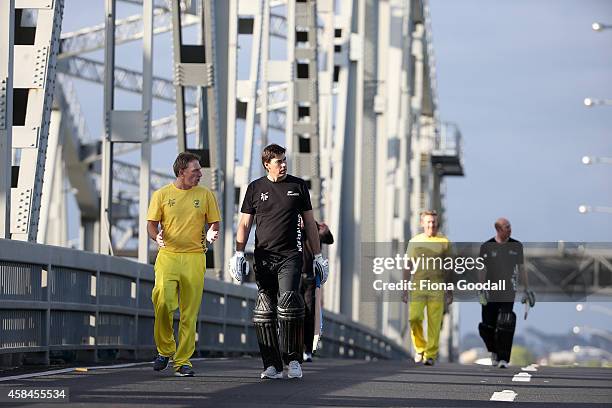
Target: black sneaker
{"x":429,"y":362}
{"x":160,"y":363}
{"x":184,"y":371}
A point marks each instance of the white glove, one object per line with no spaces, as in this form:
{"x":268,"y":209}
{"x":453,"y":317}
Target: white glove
{"x":320,"y":267}
{"x":212,"y":236}
{"x":160,"y":239}
{"x":239,"y":266}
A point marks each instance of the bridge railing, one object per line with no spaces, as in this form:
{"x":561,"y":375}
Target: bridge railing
{"x":55,"y":299}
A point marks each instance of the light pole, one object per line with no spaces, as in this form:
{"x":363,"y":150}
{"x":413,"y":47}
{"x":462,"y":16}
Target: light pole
{"x":588,"y":329}
{"x":596,"y":308}
{"x":587,"y":160}
{"x":600,"y":26}
{"x":589,"y":102}
{"x":583,"y":209}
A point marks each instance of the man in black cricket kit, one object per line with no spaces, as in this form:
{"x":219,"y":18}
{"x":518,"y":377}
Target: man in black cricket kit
{"x":308,"y":287}
{"x":503,"y":259}
{"x":275,"y":203}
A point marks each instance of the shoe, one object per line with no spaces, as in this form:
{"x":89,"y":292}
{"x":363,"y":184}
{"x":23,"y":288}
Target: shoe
{"x":160,"y":363}
{"x":502,"y":364}
{"x":184,"y":371}
{"x":429,"y":362}
{"x":494,"y":360}
{"x":418,"y":358}
{"x":307,"y":357}
{"x":271,"y":373}
{"x":295,"y":369}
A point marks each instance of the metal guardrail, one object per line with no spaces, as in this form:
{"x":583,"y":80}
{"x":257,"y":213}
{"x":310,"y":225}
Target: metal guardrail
{"x":60,"y":299}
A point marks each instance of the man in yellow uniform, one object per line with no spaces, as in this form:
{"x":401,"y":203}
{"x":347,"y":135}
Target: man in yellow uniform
{"x":184,"y":209}
{"x":429,"y":249}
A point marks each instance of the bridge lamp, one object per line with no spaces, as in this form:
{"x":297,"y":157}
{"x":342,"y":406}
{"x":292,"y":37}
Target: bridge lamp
{"x":588,"y":102}
{"x":596,"y":26}
{"x":583,"y":209}
{"x":595,"y":308}
{"x":595,"y":159}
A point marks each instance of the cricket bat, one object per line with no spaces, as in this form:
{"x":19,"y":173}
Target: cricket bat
{"x":318,"y":329}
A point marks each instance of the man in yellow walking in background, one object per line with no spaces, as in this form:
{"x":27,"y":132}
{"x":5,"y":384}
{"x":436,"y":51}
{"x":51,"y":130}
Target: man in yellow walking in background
{"x":431,"y":247}
{"x":183,"y":209}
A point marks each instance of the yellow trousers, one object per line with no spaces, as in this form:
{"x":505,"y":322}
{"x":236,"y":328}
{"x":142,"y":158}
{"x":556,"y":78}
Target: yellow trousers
{"x":433,"y":300}
{"x":179,"y":282}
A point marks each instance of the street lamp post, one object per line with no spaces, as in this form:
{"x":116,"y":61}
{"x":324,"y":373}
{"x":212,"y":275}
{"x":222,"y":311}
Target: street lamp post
{"x":583,"y":209}
{"x":587,"y":160}
{"x":589,"y":102}
{"x":600,"y":26}
{"x":588,"y":329}
{"x":596,"y":308}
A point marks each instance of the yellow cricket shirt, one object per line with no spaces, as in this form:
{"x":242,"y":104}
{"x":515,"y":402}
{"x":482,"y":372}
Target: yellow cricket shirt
{"x":432,"y":252}
{"x":183,"y":215}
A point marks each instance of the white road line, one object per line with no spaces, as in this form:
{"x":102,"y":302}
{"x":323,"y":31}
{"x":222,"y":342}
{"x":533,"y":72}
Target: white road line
{"x":44,"y":373}
{"x":531,"y":367}
{"x":522,"y":377}
{"x":85,"y":369}
{"x":505,"y":395}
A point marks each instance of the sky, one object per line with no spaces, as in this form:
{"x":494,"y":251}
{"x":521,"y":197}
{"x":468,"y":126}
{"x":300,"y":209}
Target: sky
{"x":513,"y":76}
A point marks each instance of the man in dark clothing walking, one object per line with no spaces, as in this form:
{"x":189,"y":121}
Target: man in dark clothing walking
{"x":503,"y":259}
{"x":275,"y":202}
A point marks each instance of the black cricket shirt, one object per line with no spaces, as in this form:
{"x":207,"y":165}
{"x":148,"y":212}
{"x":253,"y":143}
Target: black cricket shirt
{"x":277,"y":207}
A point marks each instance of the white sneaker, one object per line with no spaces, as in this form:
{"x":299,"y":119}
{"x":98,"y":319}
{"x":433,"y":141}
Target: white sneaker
{"x":494,"y":360}
{"x":307,"y":357}
{"x":418,"y":358}
{"x":271,"y":373}
{"x":502,"y":364}
{"x":295,"y":370}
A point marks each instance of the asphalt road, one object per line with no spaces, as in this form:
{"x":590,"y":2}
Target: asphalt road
{"x":345,"y":383}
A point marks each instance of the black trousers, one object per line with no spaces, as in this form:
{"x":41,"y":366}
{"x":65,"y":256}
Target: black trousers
{"x":307,"y":289}
{"x":275,"y":275}
{"x":490,"y":312}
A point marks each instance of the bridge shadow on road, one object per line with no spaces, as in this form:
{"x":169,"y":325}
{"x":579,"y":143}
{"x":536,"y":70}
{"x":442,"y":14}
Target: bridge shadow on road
{"x":327,"y":382}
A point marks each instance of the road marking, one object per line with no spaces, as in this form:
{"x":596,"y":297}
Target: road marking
{"x":85,"y":369}
{"x":522,"y":377}
{"x":505,"y":395}
{"x":44,"y":373}
{"x":531,"y":367}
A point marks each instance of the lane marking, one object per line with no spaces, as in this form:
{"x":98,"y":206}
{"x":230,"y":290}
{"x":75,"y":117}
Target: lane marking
{"x":522,"y":377}
{"x":531,"y":367}
{"x":85,"y":369}
{"x":505,"y":395}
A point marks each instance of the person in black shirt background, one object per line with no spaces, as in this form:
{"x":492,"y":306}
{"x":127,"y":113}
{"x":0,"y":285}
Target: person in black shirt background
{"x":275,"y":203}
{"x":503,"y":259}
{"x":308,"y":288}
